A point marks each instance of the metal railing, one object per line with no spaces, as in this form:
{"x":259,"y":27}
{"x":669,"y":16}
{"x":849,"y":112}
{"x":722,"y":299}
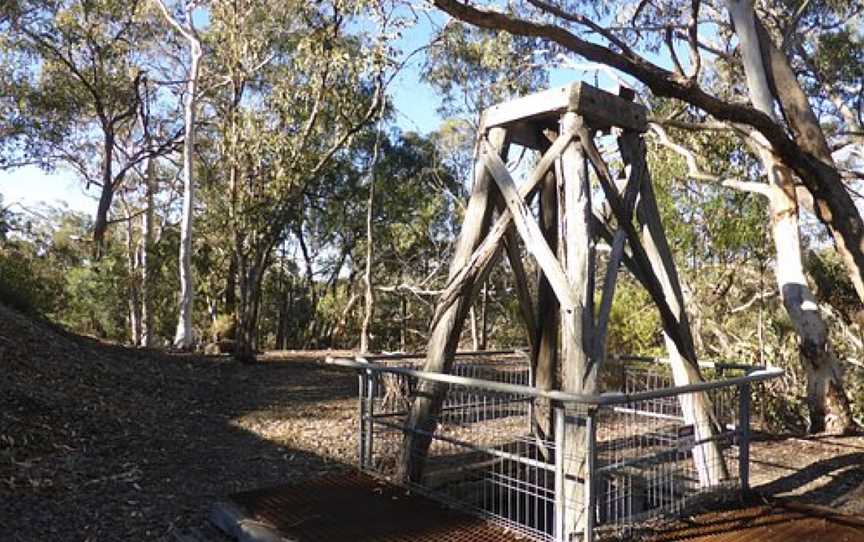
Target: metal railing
{"x":549,"y":464}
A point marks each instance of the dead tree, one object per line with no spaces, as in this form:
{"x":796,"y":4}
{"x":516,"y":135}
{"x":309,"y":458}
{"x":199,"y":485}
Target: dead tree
{"x":571,"y":343}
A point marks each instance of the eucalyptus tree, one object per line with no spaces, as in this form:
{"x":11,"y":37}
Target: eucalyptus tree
{"x":74,"y":74}
{"x":473,"y":69}
{"x":182,"y":21}
{"x":413,"y":220}
{"x":299,"y":86}
{"x":709,"y":82}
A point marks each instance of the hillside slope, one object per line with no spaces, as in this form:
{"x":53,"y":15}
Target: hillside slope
{"x":101,"y":442}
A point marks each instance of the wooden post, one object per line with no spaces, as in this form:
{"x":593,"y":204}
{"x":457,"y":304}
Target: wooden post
{"x":631,"y":190}
{"x":545,"y":352}
{"x":444,"y":336}
{"x":695,"y":407}
{"x":523,"y":293}
{"x":578,"y":370}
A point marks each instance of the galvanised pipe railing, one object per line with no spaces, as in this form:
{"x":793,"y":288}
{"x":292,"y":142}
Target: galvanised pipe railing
{"x":368,"y":366}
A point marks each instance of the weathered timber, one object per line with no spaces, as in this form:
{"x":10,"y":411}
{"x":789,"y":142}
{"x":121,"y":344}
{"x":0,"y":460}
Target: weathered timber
{"x":600,"y":109}
{"x":637,"y":252}
{"x":544,"y":356}
{"x":528,"y":228}
{"x":578,"y":370}
{"x":526,"y":306}
{"x":444,"y":336}
{"x":696,"y":407}
{"x":240,"y":526}
{"x":484,"y":253}
{"x":631,"y":190}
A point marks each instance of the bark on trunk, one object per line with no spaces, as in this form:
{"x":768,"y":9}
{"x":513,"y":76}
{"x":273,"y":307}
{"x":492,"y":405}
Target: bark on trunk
{"x":805,"y":125}
{"x":231,"y":287}
{"x":134,"y":284}
{"x":100,"y":225}
{"x":369,"y":295}
{"x":251,"y":276}
{"x":829,"y":407}
{"x":184,"y":337}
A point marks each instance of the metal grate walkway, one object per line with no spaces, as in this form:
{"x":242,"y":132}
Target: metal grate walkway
{"x":358,"y":508}
{"x":780,"y":521}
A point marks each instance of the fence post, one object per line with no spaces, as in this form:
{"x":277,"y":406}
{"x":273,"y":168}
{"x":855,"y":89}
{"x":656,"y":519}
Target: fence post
{"x":560,"y":504}
{"x":361,"y":418}
{"x":370,"y":413}
{"x":589,"y":490}
{"x":531,"y":401}
{"x":744,"y":436}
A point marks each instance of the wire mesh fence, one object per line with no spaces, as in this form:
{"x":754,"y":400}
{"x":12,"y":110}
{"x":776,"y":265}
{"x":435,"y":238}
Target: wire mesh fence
{"x":602,"y":463}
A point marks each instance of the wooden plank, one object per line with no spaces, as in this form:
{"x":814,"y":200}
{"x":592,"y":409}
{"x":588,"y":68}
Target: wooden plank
{"x":545,"y":352}
{"x":547,"y":103}
{"x":638,"y":255}
{"x":708,"y":458}
{"x":578,"y":373}
{"x":600,"y":109}
{"x":511,"y":246}
{"x":603,"y":109}
{"x":239,"y":525}
{"x":631,"y":190}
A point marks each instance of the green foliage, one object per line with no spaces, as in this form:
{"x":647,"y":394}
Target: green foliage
{"x":223,"y":327}
{"x":72,"y":68}
{"x":20,"y":288}
{"x":88,"y":288}
{"x":832,"y":285}
{"x":473,"y":68}
{"x":33,"y":258}
{"x":634,"y":323}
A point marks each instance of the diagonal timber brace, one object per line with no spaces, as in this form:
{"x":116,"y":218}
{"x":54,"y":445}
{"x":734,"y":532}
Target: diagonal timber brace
{"x":484,"y":253}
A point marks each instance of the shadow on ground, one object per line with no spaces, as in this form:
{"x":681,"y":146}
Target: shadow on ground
{"x":100,"y":442}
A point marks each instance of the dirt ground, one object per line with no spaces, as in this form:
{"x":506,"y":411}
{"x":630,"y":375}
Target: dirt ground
{"x":820,"y":470}
{"x":100,"y":442}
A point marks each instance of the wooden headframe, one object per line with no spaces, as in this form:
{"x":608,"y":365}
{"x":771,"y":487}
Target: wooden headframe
{"x":559,"y":123}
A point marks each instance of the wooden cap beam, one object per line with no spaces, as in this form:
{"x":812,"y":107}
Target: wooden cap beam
{"x":525,"y":117}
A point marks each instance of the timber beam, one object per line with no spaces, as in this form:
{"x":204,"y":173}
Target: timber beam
{"x":525,"y":118}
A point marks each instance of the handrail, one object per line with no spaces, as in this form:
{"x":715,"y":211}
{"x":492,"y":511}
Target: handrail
{"x":603,"y":399}
{"x":461,"y":353}
{"x":523,"y":352}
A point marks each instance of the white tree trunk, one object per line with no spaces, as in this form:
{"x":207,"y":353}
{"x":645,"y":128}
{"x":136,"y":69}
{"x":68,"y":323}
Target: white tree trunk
{"x":369,"y":294}
{"x":134,"y":286}
{"x":183,"y":337}
{"x":829,"y":407}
